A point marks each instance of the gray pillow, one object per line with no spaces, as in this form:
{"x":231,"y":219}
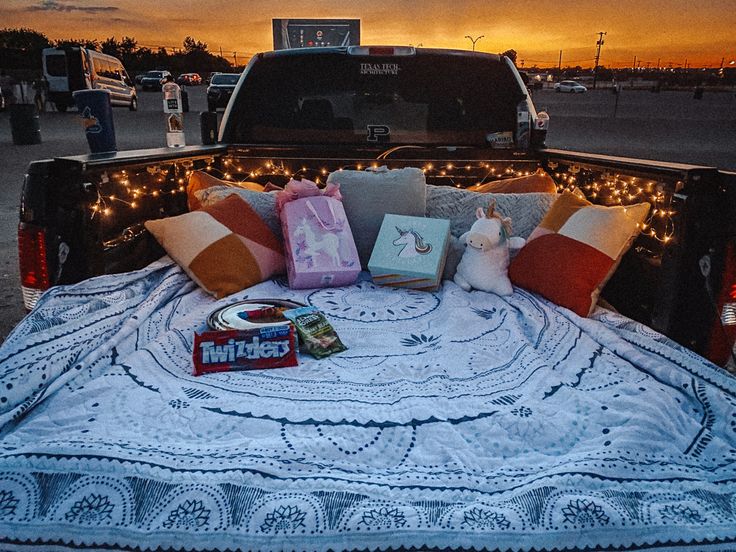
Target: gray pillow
{"x":526,"y":210}
{"x":263,"y":203}
{"x":455,"y":250}
{"x":370,"y":194}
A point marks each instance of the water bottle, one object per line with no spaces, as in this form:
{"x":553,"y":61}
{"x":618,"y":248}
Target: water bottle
{"x":173,"y":111}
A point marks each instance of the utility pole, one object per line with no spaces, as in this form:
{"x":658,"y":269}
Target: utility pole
{"x":235,"y":57}
{"x":559,"y":63}
{"x":221,"y":52}
{"x":634,"y":66}
{"x":474,"y":40}
{"x":597,"y":57}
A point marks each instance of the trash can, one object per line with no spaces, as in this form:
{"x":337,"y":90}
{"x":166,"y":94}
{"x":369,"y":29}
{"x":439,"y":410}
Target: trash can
{"x":208,"y":127}
{"x":25,"y":125}
{"x":96,"y":110}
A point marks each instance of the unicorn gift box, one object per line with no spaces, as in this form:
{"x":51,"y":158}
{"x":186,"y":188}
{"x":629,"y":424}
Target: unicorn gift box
{"x":410,"y":252}
{"x":319,"y":246}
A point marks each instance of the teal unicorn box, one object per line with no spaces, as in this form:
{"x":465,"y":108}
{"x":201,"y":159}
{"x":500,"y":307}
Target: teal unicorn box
{"x":410,"y":252}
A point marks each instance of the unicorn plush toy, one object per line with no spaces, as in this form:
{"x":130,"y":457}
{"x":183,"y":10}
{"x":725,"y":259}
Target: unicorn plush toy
{"x":485,"y":261}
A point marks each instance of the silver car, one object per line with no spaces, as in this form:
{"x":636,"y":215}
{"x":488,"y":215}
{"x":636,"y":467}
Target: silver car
{"x":570,"y":86}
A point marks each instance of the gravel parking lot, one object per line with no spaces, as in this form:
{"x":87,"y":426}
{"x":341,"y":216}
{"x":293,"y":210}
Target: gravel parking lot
{"x":670,"y":126}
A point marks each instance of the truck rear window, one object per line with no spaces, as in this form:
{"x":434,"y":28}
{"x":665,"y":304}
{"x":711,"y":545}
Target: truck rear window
{"x":56,"y":65}
{"x":337,"y":98}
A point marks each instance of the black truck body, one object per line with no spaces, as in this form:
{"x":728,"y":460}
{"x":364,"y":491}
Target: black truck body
{"x":83,"y":216}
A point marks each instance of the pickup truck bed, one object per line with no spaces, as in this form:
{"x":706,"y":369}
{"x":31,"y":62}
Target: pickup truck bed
{"x":104,"y":199}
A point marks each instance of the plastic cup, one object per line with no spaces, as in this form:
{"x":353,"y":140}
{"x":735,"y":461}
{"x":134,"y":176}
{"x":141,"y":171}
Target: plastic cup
{"x":96,"y":110}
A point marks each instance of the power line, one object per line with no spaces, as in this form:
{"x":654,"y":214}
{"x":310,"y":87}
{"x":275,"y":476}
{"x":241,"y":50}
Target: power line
{"x":235,"y":53}
{"x":551,"y":61}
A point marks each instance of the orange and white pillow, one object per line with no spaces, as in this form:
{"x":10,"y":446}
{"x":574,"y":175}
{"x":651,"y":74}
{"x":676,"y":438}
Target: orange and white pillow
{"x":575,"y":249}
{"x":537,"y":182}
{"x":200,"y":180}
{"x":225,"y":247}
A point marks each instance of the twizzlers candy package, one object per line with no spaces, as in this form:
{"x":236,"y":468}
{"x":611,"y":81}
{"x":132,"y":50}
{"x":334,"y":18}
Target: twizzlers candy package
{"x":253,"y":349}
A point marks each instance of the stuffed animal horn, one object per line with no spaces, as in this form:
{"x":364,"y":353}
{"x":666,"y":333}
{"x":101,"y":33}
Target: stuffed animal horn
{"x":491,"y":208}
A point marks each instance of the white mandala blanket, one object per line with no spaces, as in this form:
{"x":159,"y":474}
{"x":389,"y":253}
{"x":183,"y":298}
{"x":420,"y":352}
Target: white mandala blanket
{"x":453,"y":420}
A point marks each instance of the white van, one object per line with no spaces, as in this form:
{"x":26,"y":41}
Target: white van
{"x":75,"y":68}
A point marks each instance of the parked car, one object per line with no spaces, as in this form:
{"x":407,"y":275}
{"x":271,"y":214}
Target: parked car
{"x":570,"y":86}
{"x":69,"y":69}
{"x":189,"y":79}
{"x":153,"y":80}
{"x":220,"y":89}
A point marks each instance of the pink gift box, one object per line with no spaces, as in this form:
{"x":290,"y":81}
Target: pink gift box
{"x":318,"y":243}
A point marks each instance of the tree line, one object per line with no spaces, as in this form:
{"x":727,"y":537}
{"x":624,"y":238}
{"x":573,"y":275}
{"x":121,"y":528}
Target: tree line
{"x":20,"y":53}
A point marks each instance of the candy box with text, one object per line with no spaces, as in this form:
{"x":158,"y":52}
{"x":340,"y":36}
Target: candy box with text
{"x":251,"y":349}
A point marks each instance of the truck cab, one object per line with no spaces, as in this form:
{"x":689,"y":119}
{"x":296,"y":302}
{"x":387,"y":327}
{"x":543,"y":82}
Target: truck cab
{"x":382,"y":96}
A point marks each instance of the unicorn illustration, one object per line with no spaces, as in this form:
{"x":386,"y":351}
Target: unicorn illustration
{"x":328,"y":243}
{"x":412,"y":242}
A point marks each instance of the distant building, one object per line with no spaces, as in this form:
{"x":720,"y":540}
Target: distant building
{"x":314,"y":33}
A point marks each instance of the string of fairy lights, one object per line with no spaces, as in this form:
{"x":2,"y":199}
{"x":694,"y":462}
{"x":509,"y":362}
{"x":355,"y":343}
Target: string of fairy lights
{"x":271,"y":168}
{"x":130,"y":192}
{"x":613,"y":189}
{"x":130,"y":189}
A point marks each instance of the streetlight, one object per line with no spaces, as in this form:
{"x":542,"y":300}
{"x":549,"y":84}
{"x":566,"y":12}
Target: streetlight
{"x":474,"y":40}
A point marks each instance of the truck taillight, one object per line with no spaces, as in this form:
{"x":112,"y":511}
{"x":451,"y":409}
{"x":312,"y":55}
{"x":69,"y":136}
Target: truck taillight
{"x":728,"y":311}
{"x":34,"y":269}
{"x":723,"y":334}
{"x":728,"y":314}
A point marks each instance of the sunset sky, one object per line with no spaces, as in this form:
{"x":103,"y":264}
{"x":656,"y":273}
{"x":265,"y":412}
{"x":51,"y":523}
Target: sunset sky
{"x":669,"y":30}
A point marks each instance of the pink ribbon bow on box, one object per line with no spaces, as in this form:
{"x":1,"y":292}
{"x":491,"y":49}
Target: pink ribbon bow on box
{"x":297,"y":189}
